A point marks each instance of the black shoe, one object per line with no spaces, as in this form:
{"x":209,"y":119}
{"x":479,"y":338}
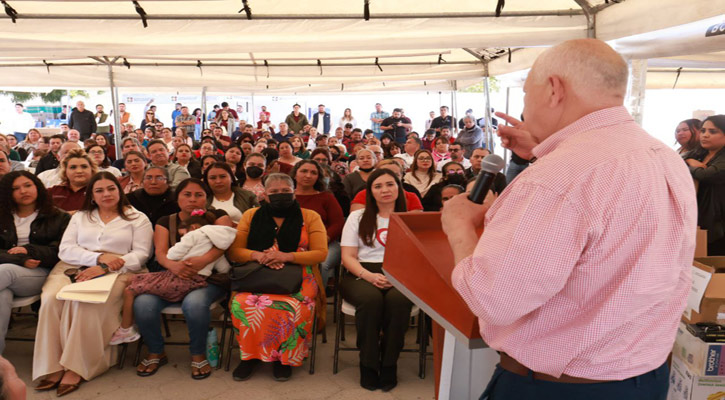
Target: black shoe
{"x":388,"y":378}
{"x":369,"y":378}
{"x":281,"y":372}
{"x":245,"y":369}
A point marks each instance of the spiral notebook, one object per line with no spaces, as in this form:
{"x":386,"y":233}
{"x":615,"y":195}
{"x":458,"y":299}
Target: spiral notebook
{"x":93,"y":291}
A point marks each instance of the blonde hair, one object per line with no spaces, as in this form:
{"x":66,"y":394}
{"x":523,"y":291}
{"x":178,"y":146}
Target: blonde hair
{"x":75,"y":153}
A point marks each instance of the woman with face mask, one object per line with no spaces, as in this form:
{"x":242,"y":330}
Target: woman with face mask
{"x":254,"y":167}
{"x":271,"y":327}
{"x":453,"y":174}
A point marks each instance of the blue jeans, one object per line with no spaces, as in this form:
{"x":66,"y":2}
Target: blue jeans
{"x":506,"y":385}
{"x":334,"y":255}
{"x":147,"y":312}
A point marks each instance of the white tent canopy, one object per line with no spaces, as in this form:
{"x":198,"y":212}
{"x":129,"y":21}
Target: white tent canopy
{"x":328,"y":46}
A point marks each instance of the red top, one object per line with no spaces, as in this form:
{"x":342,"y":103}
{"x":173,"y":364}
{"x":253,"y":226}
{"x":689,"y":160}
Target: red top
{"x":412,"y":201}
{"x":326,"y":205}
{"x":66,"y":199}
{"x":584,"y":266}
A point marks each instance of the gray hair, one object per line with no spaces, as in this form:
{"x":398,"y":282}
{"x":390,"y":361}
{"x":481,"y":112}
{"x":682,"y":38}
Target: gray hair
{"x":372,"y":154}
{"x":279,"y":177}
{"x":162,"y":169}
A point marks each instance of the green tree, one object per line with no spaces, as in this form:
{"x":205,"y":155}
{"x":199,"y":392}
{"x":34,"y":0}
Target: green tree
{"x":493,"y":85}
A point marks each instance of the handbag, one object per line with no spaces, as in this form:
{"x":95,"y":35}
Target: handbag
{"x":254,"y":277}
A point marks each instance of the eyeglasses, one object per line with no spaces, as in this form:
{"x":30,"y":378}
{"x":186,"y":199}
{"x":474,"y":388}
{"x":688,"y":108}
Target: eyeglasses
{"x":455,"y":172}
{"x":425,"y":159}
{"x":150,"y":178}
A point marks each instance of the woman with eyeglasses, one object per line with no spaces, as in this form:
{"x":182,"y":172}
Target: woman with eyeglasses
{"x":453,"y":174}
{"x":98,"y":155}
{"x":423,"y":173}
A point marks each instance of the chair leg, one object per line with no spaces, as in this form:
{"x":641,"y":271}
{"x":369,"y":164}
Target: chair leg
{"x":166,"y":325}
{"x":324,"y":334}
{"x":230,"y":346}
{"x":222,"y":341}
{"x":122,"y":355}
{"x":338,"y":332}
{"x":341,"y":321}
{"x":313,"y":349}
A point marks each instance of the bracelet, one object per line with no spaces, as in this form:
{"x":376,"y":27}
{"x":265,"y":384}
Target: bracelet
{"x":361,"y":274}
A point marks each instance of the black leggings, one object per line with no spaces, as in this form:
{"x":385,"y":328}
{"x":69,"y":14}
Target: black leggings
{"x":375,"y":310}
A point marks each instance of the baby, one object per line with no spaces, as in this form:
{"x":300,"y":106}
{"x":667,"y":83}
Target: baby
{"x":199,"y":235}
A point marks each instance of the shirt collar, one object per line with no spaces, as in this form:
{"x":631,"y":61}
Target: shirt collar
{"x":597,"y":119}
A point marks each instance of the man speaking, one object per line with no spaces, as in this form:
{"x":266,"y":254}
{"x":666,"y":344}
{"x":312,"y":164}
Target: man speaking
{"x":583,"y":270}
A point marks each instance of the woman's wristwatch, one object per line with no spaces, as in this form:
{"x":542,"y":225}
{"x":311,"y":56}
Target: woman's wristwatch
{"x":103,"y":266}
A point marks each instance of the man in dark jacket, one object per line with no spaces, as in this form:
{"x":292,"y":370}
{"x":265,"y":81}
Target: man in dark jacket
{"x":83,"y":121}
{"x":155,"y":199}
{"x":52,"y":159}
{"x":322,"y":125}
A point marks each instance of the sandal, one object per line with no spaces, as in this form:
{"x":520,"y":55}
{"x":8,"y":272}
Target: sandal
{"x":199,"y":365}
{"x":147,"y":362}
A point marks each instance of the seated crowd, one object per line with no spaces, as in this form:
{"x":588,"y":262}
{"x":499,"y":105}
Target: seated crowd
{"x":182,"y":205}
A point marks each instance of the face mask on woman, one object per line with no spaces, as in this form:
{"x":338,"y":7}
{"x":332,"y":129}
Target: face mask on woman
{"x":254,"y":171}
{"x":281,"y":202}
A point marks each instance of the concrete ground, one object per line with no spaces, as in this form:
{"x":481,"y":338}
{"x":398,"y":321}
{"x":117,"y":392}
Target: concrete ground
{"x":173,"y":381}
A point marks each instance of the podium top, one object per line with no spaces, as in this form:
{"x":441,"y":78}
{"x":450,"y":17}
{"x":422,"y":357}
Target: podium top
{"x":417,"y":258}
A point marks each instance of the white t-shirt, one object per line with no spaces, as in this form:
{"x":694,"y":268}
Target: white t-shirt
{"x":22,"y":227}
{"x":365,"y":253}
{"x":228,"y":206}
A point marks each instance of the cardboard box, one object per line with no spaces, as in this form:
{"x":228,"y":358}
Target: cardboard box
{"x":703,"y":358}
{"x":686,"y":385}
{"x":706,"y":302}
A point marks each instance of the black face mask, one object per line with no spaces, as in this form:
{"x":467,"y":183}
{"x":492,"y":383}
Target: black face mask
{"x":254,"y":172}
{"x":281,"y":203}
{"x":366,"y":169}
{"x":456,"y":179}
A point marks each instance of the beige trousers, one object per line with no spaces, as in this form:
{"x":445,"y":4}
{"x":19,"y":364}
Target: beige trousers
{"x":73,"y":335}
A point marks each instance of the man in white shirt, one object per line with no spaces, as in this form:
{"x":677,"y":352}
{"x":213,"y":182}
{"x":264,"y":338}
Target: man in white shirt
{"x":74,"y":136}
{"x":321,"y":120}
{"x":21,"y":122}
{"x":243,"y":116}
{"x":52,"y":177}
{"x":412,"y":145}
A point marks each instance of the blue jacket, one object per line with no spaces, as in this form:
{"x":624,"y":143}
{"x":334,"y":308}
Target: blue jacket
{"x":325,"y":122}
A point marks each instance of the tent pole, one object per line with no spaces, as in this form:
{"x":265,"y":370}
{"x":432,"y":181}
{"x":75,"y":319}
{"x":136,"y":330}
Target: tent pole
{"x":252,"y":113}
{"x":486,"y":91}
{"x":505,"y":150}
{"x":116,"y":117}
{"x":636,"y":88}
{"x":454,"y":104}
{"x":203,"y":109}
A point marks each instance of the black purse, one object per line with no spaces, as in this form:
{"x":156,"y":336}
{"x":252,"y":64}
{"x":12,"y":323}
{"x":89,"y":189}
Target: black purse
{"x":254,"y":277}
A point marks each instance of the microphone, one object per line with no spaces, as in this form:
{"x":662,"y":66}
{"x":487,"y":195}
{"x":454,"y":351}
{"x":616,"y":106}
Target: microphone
{"x":490,"y":166}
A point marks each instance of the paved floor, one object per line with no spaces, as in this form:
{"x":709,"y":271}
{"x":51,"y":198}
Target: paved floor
{"x":173,"y":381}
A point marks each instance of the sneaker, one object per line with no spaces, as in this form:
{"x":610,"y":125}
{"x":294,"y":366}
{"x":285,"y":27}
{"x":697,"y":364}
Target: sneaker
{"x":281,"y":372}
{"x":125,"y":335}
{"x":245,"y":369}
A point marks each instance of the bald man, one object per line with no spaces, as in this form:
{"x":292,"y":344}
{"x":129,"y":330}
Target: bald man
{"x":84,"y":121}
{"x":582,"y":272}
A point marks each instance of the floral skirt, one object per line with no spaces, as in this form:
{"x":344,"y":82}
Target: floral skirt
{"x":166,"y":285}
{"x":274,"y":327}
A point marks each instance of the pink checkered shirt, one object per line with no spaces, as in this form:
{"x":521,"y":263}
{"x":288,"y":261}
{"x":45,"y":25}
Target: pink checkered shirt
{"x":584,"y":265}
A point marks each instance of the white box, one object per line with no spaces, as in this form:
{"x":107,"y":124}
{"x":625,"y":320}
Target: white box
{"x":686,"y":385}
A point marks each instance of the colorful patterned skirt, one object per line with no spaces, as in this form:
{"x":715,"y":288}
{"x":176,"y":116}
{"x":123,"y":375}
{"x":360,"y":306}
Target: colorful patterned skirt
{"x":274,"y":327}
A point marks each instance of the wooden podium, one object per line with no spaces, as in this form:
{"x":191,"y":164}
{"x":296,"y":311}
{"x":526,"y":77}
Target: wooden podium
{"x":417,"y":256}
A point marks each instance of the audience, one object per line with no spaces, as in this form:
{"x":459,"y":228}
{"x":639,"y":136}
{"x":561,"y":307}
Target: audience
{"x":355,"y":181}
{"x":154,"y":198}
{"x":423,"y":173}
{"x":226,"y":195}
{"x":76,"y":171}
{"x":687,"y":135}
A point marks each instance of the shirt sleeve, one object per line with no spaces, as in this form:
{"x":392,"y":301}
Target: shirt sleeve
{"x":350,"y":231}
{"x":413,"y":202}
{"x":143,"y":236}
{"x":317,"y":249}
{"x":70,"y":251}
{"x":715,"y":173}
{"x":359,"y":197}
{"x":335,"y":217}
{"x":526,"y":254}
